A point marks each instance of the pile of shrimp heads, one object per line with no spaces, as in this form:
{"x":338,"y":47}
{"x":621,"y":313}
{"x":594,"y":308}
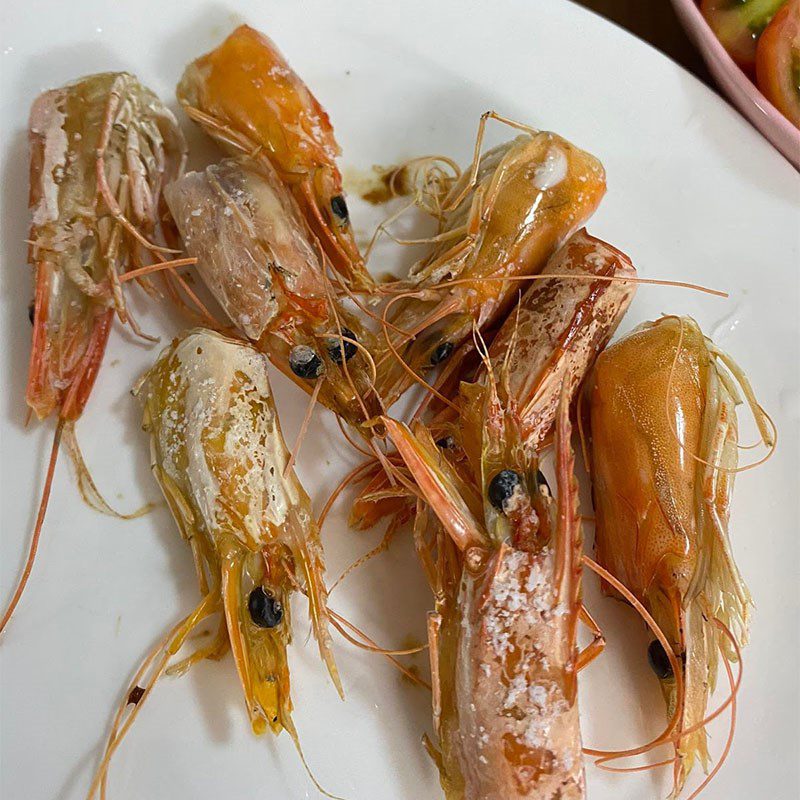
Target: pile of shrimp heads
{"x":503,"y":326}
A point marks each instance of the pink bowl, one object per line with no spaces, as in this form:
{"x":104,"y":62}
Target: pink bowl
{"x":741,"y":91}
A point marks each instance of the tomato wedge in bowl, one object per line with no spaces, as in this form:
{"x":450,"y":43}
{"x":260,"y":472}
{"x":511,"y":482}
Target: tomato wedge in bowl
{"x":738,"y":24}
{"x":778,"y":61}
{"x":735,"y":84}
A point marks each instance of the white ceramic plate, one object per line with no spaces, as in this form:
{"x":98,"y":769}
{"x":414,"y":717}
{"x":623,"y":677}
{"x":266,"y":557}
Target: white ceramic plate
{"x":695,"y":194}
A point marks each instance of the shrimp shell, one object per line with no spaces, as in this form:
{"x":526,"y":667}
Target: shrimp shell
{"x":77,"y":247}
{"x":529,"y":195}
{"x":548,"y":341}
{"x":559,"y":326}
{"x":220,"y":458}
{"x":663,"y":457}
{"x":245,"y":95}
{"x":503,"y":636}
{"x":257,"y":256}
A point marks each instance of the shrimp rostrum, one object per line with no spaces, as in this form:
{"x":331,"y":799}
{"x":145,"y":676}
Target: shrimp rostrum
{"x":248,"y":98}
{"x":220,"y":458}
{"x":505,"y":571}
{"x":102,"y":148}
{"x":664,"y":452}
{"x":257,"y":255}
{"x":499,"y":222}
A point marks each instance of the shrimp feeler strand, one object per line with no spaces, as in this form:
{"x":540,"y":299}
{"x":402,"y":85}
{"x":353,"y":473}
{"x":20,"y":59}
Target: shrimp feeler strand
{"x":87,"y":487}
{"x":577,"y":277}
{"x":417,"y":378}
{"x":340,"y":622}
{"x":37,"y":529}
{"x":301,"y":435}
{"x":769,"y":440}
{"x":373,"y":648}
{"x":351,"y":477}
{"x":352,"y":442}
{"x":135,"y":274}
{"x":453,"y":202}
{"x":169,"y":645}
{"x":359,"y":562}
{"x":326,"y":283}
{"x":205,"y":313}
{"x":350,"y":294}
{"x":292,"y":731}
{"x":673,"y":660}
{"x":732,"y":730}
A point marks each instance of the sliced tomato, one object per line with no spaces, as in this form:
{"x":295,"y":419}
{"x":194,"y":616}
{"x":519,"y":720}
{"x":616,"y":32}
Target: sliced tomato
{"x":738,"y":24}
{"x":778,"y":61}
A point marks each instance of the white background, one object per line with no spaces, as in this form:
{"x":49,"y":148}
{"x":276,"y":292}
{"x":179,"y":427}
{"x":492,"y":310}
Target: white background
{"x":694,"y":194}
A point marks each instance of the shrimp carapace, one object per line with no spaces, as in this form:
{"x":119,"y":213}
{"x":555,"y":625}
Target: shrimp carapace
{"x":553,"y":335}
{"x":101,"y":149}
{"x":527,"y":197}
{"x":664,"y":451}
{"x":505,"y":571}
{"x":220,"y":458}
{"x":257,"y":256}
{"x":246,"y":96}
{"x":78,"y":247}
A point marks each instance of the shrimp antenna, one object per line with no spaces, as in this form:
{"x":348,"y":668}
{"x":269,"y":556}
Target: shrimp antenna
{"x":352,"y":295}
{"x":673,"y":660}
{"x":370,"y":646}
{"x":349,"y":439}
{"x":292,"y":731}
{"x":427,"y":192}
{"x":732,"y":729}
{"x":577,"y":276}
{"x":301,"y":435}
{"x":332,"y":305}
{"x":37,"y":528}
{"x":353,"y":476}
{"x":88,"y":488}
{"x":766,"y":426}
{"x":416,"y":377}
{"x":141,"y":688}
{"x":340,"y":623}
{"x":136,"y":274}
{"x":381,"y":547}
{"x":455,"y":198}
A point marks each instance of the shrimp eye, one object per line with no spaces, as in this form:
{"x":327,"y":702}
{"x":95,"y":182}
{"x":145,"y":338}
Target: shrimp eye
{"x":305,"y":363}
{"x":339,"y":208}
{"x":441,"y":352}
{"x":337,"y":347}
{"x":32,"y":312}
{"x":502,"y":488}
{"x":446,"y":443}
{"x":658,"y":660}
{"x":265,"y":610}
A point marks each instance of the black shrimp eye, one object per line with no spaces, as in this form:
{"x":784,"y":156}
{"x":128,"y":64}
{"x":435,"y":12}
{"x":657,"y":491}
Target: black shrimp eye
{"x":658,"y":660}
{"x":32,"y":312}
{"x":542,"y":481}
{"x":502,"y":487}
{"x":335,"y":347}
{"x":305,"y":363}
{"x":441,"y":352}
{"x":339,"y":208}
{"x":265,"y":610}
{"x":446,"y":443}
